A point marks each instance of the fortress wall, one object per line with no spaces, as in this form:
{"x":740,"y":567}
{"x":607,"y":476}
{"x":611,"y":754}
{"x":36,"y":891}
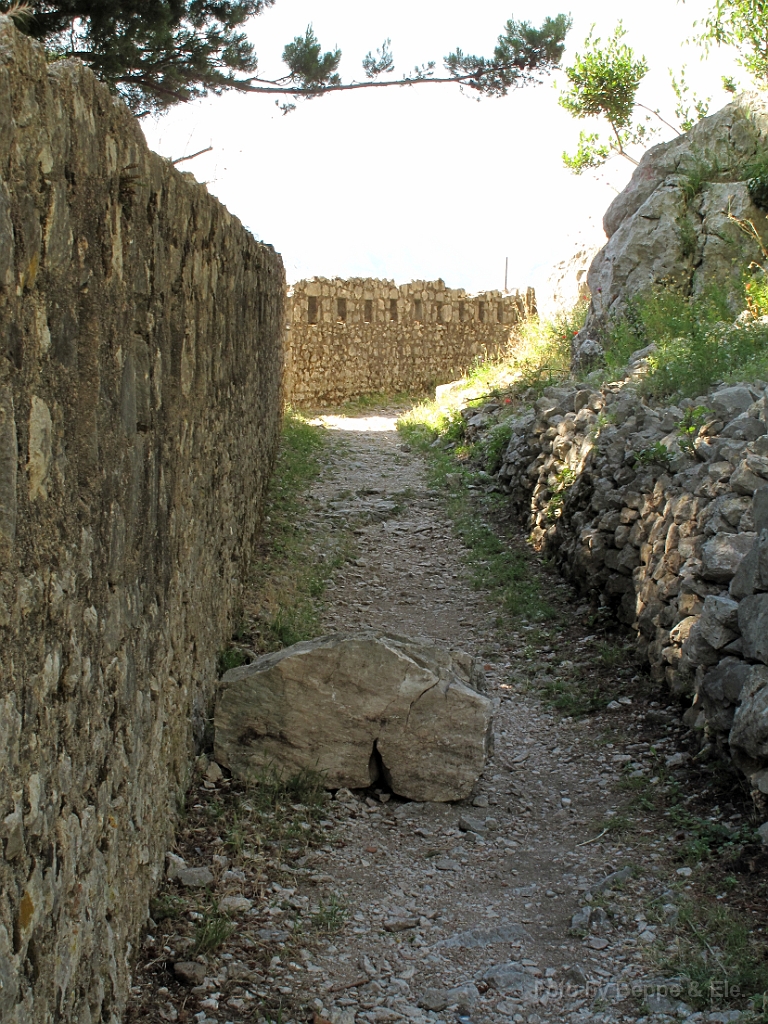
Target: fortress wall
{"x":141,"y":332}
{"x":362,"y":336}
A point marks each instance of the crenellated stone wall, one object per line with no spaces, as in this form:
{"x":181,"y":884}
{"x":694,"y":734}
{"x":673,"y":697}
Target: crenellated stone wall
{"x":140,"y":364}
{"x":362,"y":336}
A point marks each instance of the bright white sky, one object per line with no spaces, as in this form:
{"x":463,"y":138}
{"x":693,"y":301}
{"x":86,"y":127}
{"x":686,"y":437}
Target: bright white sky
{"x":423,"y":182}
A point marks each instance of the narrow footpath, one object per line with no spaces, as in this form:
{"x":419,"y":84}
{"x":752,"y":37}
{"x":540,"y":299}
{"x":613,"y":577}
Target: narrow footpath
{"x":544,"y":898}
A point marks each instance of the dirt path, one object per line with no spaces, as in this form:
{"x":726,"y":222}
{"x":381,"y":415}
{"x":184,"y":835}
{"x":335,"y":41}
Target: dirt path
{"x":448,"y":912}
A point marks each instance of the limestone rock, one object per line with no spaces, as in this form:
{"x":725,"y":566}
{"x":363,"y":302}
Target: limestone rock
{"x":753,"y":623}
{"x":356,"y":708}
{"x":510,"y":978}
{"x":719,"y":621}
{"x":752,"y":574}
{"x":659,"y":234}
{"x":720,"y":691}
{"x":722,"y":555}
{"x":729,"y":402}
{"x":748,"y":738}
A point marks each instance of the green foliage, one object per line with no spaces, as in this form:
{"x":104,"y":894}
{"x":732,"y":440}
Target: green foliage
{"x":707,"y":839}
{"x":688,"y":237}
{"x":494,"y":445}
{"x":716,"y":946}
{"x":565,"y":478}
{"x":500,"y":569}
{"x":166,"y":906}
{"x":577,"y":699}
{"x":309,"y":67}
{"x":273,"y":788}
{"x":742,"y":24}
{"x":523,"y":54}
{"x":330,"y":916}
{"x":541,"y":355}
{"x":688,"y":428}
{"x":656,"y":453}
{"x":156,"y":53}
{"x":697,"y":342}
{"x":603,"y":82}
{"x":299,"y":552}
{"x":690,"y":108}
{"x":153,"y":52}
{"x":213,"y":930}
{"x":758,"y":191}
{"x":698,"y":171}
{"x":230,"y":657}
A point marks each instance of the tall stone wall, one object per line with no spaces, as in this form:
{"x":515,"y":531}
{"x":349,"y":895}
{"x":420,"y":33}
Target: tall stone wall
{"x":362,"y":336}
{"x":140,"y":363}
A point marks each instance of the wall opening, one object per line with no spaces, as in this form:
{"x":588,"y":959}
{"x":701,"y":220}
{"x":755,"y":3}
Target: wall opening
{"x":439,"y":312}
{"x":418,"y":310}
{"x":481,"y":312}
{"x":313,"y":309}
{"x":341,"y":310}
{"x":393,"y":309}
{"x":462,"y":311}
{"x":368,"y":311}
{"x":500,"y":313}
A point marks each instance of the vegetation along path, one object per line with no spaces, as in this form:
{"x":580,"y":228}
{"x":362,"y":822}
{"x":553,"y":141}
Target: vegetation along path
{"x":599,"y":873}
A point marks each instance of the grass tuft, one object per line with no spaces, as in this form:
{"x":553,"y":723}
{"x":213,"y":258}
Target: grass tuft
{"x":213,"y":930}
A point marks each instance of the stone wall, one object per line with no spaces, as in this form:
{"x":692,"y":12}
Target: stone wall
{"x":362,"y":336}
{"x":140,"y":362}
{"x":671,"y":538}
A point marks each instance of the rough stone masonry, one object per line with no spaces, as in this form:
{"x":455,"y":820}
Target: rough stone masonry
{"x":140,"y":368}
{"x":362,"y":336}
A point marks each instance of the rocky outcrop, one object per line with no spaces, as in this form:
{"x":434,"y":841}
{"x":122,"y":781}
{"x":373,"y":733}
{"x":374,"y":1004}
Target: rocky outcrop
{"x":663,"y":526}
{"x":674,"y":224}
{"x":359,"y":709}
{"x":139,"y":414}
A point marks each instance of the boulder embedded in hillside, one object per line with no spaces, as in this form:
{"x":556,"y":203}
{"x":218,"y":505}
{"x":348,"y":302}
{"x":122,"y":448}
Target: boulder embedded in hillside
{"x":673,"y":224}
{"x":359,"y":709}
{"x":730,"y":402}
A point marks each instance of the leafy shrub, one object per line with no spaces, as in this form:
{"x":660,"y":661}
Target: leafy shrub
{"x":697,"y":343}
{"x":494,"y":446}
{"x":688,"y":428}
{"x":657,"y":453}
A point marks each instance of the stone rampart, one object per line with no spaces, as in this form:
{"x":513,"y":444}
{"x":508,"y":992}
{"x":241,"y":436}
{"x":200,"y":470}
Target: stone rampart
{"x":363,"y":336}
{"x":140,"y":363}
{"x":659,"y":516}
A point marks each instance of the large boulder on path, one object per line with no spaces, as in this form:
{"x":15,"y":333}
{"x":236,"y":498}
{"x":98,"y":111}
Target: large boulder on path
{"x":359,"y":709}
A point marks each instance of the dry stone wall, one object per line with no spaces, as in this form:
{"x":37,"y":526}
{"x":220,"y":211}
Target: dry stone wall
{"x":663,"y":527}
{"x":362,"y":336}
{"x":140,"y":361}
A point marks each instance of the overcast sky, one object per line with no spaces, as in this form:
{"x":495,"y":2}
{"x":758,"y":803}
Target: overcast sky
{"x":423,"y":182}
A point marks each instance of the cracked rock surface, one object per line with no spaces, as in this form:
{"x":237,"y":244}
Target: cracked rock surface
{"x":359,"y":709}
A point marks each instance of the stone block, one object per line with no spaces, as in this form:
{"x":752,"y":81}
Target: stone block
{"x":753,"y":625}
{"x":355,"y":709}
{"x":722,"y":555}
{"x":748,"y":739}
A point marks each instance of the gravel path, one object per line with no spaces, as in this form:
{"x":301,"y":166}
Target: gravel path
{"x":452,"y":912}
